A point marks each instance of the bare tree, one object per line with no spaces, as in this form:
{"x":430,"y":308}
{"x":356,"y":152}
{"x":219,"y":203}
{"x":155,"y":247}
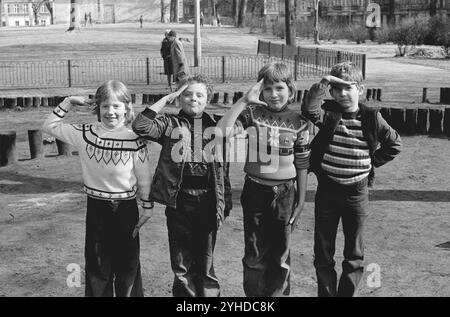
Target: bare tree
{"x":242,"y":12}
{"x":433,"y":7}
{"x":235,"y":11}
{"x":164,"y":6}
{"x":316,"y":21}
{"x":73,"y":16}
{"x":35,"y":6}
{"x":290,"y":30}
{"x":49,"y":6}
{"x":391,"y":15}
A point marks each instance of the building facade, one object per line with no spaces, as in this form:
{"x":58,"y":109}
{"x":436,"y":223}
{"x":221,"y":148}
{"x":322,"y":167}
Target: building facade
{"x":355,"y":11}
{"x":25,"y":13}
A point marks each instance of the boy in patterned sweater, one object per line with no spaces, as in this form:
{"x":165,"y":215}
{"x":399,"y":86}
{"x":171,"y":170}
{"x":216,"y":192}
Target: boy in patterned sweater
{"x":276,"y":175}
{"x":115,"y":167}
{"x":343,"y":156}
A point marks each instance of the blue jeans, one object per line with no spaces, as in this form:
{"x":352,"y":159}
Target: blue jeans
{"x":333,"y":202}
{"x":267,"y":210}
{"x":192,"y":229}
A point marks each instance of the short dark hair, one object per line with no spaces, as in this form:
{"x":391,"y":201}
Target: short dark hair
{"x":172,"y":33}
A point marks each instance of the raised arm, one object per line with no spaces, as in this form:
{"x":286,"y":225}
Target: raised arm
{"x":226,"y":124}
{"x":311,"y":107}
{"x":55,"y":126}
{"x":150,"y":126}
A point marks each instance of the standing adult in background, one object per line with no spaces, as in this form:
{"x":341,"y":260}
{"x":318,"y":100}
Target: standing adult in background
{"x":165,"y":54}
{"x":141,"y":21}
{"x":218,"y":20}
{"x":179,"y":61}
{"x":202,"y":18}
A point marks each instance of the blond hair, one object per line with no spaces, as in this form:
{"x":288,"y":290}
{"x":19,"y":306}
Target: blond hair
{"x":120,"y":91}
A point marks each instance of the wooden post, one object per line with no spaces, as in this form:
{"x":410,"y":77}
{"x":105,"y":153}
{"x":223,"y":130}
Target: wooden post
{"x":36,"y":102}
{"x":44,"y":102}
{"x":436,"y":116}
{"x":411,"y":121}
{"x":378,"y":94}
{"x":299,"y":96}
{"x":422,"y":121}
{"x":144,"y":99}
{"x":8,"y":150}
{"x":51,"y":102}
{"x":386,"y":114}
{"x":228,"y":98}
{"x":305,"y":93}
{"x":447,"y":122}
{"x":63,"y":148}
{"x":424,"y":95}
{"x":223,"y":68}
{"x":368,"y":94}
{"x":59,"y":99}
{"x":236,"y":96}
{"x":215,"y":98}
{"x":35,"y":142}
{"x":133,"y":99}
{"x":445,"y":96}
{"x":20,"y":102}
{"x":10,"y":103}
{"x":28,"y":102}
{"x":398,"y":119}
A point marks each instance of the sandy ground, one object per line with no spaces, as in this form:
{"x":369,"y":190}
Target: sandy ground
{"x":42,"y":207}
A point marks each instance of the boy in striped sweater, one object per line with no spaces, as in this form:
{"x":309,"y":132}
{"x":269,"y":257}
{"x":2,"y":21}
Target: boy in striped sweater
{"x":353,"y":139}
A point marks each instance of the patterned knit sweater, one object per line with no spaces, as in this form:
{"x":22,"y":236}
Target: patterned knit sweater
{"x":115,"y":163}
{"x":278,"y":143}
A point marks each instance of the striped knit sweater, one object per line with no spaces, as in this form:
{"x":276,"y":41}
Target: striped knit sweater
{"x":347,"y":159}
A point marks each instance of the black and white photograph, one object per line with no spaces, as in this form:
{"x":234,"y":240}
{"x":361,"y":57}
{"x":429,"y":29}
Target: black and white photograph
{"x":225,"y":148}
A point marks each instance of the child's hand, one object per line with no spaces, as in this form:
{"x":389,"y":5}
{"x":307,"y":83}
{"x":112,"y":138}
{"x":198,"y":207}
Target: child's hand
{"x":144,"y":215}
{"x":332,"y":80}
{"x":80,"y":101}
{"x":252,"y":95}
{"x":170,"y":98}
{"x":295,"y":215}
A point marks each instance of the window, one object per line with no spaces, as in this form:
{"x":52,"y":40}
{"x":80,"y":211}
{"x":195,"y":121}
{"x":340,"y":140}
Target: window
{"x":17,"y":23}
{"x":9,"y":8}
{"x":27,"y":23}
{"x":43,"y":8}
{"x":16,"y":9}
{"x":25,"y":8}
{"x":43,"y":22}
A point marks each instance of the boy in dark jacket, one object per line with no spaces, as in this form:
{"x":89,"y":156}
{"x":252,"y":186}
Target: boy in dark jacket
{"x":343,"y":156}
{"x":195,"y":191}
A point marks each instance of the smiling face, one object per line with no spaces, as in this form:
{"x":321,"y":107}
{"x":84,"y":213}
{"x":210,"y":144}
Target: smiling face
{"x":193,"y":99}
{"x":112,"y":112}
{"x":347,"y":96}
{"x":276,"y":95}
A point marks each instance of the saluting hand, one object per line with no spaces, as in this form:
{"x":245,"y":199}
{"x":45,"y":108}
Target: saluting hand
{"x":252,"y":95}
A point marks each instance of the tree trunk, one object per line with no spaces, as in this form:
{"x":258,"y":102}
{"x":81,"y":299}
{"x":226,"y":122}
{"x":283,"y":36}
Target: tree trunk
{"x":73,"y":16}
{"x":163,"y":11}
{"x":50,"y":10}
{"x":290,"y":37}
{"x":391,"y":15}
{"x":316,"y":22}
{"x":235,"y":11}
{"x":8,"y":151}
{"x":242,"y":12}
{"x":433,"y":7}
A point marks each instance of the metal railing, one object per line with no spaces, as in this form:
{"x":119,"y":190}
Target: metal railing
{"x":140,"y":70}
{"x":311,"y":61}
